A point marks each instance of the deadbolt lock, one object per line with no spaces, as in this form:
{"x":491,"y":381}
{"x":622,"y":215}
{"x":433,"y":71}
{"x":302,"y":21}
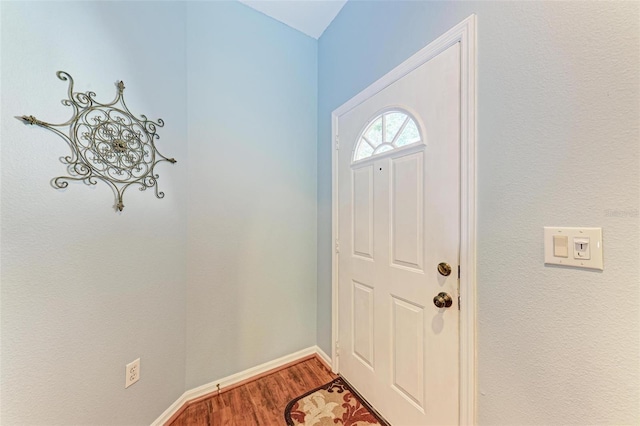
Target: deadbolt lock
{"x":444,"y":268}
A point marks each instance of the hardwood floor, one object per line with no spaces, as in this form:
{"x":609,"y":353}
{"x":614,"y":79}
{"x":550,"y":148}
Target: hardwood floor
{"x":258,"y":402}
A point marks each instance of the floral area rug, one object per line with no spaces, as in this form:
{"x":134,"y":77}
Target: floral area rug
{"x":335,"y":403}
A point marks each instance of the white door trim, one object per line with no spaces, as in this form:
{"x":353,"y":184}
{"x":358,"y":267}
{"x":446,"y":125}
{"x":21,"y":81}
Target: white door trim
{"x":465,"y":34}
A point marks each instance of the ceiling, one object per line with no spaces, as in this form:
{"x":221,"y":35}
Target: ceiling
{"x":311,"y":17}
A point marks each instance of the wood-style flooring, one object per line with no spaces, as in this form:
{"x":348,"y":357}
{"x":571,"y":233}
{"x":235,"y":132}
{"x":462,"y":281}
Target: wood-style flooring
{"x":258,"y":402}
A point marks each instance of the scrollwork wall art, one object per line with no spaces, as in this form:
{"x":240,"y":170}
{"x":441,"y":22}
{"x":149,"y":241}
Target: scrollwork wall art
{"x":107,"y":143}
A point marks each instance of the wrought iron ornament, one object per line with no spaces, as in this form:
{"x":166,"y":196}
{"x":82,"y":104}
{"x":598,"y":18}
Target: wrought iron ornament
{"x":107,"y":143}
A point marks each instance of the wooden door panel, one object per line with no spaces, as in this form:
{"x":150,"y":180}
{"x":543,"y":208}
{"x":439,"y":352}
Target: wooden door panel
{"x":362,"y":218}
{"x":407,"y":350}
{"x":363,"y":323}
{"x":407,"y":218}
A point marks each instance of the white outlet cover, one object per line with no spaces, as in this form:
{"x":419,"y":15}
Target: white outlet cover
{"x":594,"y":236}
{"x":132,"y":373}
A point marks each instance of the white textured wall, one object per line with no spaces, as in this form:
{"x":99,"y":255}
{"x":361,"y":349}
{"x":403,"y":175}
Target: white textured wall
{"x":558,"y":145}
{"x":85,"y":290}
{"x":252,"y":90}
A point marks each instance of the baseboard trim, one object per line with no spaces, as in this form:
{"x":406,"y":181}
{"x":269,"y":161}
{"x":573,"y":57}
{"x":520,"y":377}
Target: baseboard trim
{"x":324,"y":357}
{"x":207,"y":390}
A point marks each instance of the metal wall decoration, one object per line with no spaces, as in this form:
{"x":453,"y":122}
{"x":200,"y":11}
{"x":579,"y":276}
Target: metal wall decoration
{"x":107,"y":143}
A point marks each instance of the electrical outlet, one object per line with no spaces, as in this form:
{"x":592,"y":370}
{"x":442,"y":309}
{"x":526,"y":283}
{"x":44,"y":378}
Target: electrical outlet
{"x":132,"y":373}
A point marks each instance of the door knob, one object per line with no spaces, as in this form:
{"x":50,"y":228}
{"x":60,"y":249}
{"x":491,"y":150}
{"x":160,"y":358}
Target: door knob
{"x":442,"y":300}
{"x":444,"y":269}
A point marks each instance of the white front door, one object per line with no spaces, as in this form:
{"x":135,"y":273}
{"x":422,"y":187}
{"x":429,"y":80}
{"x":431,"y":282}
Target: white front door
{"x":398,"y":219}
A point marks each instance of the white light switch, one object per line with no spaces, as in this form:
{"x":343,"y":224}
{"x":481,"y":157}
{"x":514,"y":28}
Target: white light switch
{"x":560,"y":246}
{"x":579,"y":247}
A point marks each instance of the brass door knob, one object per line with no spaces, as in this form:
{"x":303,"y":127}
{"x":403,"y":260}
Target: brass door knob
{"x":444,"y":268}
{"x":442,"y":300}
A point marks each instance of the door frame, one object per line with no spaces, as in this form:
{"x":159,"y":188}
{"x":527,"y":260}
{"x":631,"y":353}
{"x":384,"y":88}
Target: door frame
{"x":465,"y":34}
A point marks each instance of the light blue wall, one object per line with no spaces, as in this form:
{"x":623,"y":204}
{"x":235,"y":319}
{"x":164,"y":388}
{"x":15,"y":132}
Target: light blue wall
{"x":558,"y":87}
{"x":86,"y":290}
{"x":217,"y":277}
{"x":558,"y":145}
{"x":252,"y":88}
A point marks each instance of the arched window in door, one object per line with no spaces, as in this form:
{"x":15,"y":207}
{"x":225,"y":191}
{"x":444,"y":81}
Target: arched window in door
{"x":390,"y":130}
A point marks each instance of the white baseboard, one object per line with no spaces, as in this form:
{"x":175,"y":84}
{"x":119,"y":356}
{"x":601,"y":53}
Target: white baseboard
{"x":236,"y":378}
{"x":326,"y":358}
{"x":173,"y":408}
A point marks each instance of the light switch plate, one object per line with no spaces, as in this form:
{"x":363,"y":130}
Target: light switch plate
{"x":595,"y":249}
